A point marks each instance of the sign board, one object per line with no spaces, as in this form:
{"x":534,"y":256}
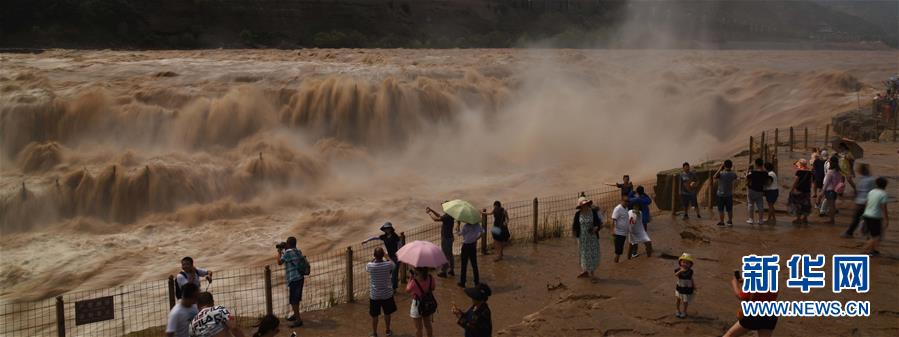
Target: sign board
{"x":94,"y":310}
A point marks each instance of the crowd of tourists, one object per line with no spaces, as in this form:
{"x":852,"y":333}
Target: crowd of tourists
{"x":818,"y":182}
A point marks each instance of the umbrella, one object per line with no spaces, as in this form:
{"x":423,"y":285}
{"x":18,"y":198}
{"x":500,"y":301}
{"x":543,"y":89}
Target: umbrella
{"x":421,"y":254}
{"x":854,"y":148}
{"x":463,"y":211}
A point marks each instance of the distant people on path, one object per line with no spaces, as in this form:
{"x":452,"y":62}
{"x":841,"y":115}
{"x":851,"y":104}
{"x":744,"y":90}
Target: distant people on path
{"x":763,"y":325}
{"x":847,"y":161}
{"x":470,"y":234}
{"x":295,"y":268}
{"x":381,"y":291}
{"x":816,"y":153}
{"x":476,"y":320}
{"x":637,"y":232}
{"x":190,"y":274}
{"x":421,"y":286}
{"x":772,"y":191}
{"x":213,"y":320}
{"x":183,"y":313}
{"x":392,"y":244}
{"x":447,"y":226}
{"x":626,"y":186}
{"x":585,"y":227}
{"x":757,"y":179}
{"x":500,"y":230}
{"x":640,"y":199}
{"x":818,"y":170}
{"x":620,"y":226}
{"x":876,"y":215}
{"x":688,"y":187}
{"x":726,"y":178}
{"x":800,"y":201}
{"x":865,"y":185}
{"x":685,"y":285}
{"x":833,"y":186}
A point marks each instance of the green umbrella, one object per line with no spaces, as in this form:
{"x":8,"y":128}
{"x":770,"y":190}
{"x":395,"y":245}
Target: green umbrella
{"x":462,"y":211}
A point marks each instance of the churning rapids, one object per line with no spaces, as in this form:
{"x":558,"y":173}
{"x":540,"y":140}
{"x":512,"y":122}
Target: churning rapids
{"x":114,"y":164}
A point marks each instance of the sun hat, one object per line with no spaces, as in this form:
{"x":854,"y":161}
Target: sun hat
{"x":387,"y":225}
{"x":583,"y":201}
{"x":480,"y":292}
{"x":685,"y":257}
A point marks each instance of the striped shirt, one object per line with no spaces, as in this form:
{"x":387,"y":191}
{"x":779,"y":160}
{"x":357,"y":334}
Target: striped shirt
{"x":381,"y":284}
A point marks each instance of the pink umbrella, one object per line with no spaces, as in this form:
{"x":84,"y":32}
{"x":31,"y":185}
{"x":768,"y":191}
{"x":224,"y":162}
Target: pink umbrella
{"x":421,"y":254}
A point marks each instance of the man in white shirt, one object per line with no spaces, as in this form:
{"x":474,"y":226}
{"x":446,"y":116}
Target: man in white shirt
{"x":183,"y":312}
{"x":619,"y":220}
{"x":381,"y":294}
{"x":190,"y":274}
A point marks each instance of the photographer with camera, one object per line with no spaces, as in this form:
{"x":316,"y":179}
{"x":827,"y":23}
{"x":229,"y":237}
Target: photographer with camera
{"x":296,"y":267}
{"x":381,"y":293}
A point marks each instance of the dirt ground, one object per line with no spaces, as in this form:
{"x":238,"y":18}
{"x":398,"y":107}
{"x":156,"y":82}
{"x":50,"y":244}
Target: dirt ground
{"x":635,"y":297}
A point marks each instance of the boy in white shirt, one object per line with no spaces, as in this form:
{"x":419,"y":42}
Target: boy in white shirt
{"x":621,"y":226}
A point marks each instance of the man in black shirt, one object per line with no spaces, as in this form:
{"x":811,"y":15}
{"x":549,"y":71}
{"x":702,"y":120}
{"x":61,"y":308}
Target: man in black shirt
{"x":391,"y":244}
{"x":446,"y":239}
{"x":757,"y":179}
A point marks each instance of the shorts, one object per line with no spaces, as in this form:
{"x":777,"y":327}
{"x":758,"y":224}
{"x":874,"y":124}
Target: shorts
{"x":758,"y":322}
{"x":875,"y":226}
{"x":726,"y":204}
{"x":619,"y":244}
{"x":771,"y":196}
{"x":413,"y":310}
{"x":756,"y":200}
{"x":830,"y":195}
{"x":375,"y":307}
{"x":689,"y":199}
{"x":686,"y":298}
{"x":296,"y":291}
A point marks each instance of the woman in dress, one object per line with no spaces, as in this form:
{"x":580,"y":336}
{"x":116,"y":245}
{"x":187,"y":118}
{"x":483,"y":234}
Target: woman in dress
{"x":500,"y":229}
{"x":800,"y":201}
{"x":586,"y":226}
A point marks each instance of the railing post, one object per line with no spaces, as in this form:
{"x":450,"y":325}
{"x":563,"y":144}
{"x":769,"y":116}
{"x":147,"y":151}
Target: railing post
{"x":484,"y":235}
{"x":791,"y":139}
{"x":268,"y":290}
{"x":776,"y":139}
{"x":895,"y":118}
{"x":826,"y":135}
{"x":805,"y":139}
{"x":751,"y":141}
{"x":60,"y":317}
{"x":350,"y":294}
{"x":535,"y":216}
{"x":763,"y":148}
{"x":171,"y":291}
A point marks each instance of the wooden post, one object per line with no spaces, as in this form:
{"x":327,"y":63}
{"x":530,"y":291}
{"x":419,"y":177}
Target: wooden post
{"x":826,"y":135}
{"x":895,"y":118}
{"x":484,"y":235}
{"x":171,"y":291}
{"x":751,"y":141}
{"x":535,"y":216}
{"x":711,"y":188}
{"x":805,"y":139}
{"x":60,"y":317}
{"x":350,"y":295}
{"x":268,"y":290}
{"x":776,"y":139}
{"x":791,"y":139}
{"x":763,"y":148}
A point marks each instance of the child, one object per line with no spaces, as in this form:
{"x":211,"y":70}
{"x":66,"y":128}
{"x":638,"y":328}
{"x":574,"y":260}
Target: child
{"x":637,"y":232}
{"x":626,"y":185}
{"x":685,"y":285}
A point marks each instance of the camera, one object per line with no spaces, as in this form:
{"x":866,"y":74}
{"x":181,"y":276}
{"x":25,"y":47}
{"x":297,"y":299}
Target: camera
{"x":281,"y":246}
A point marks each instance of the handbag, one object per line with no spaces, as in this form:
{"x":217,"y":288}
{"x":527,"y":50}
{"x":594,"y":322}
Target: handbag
{"x":427,"y":304}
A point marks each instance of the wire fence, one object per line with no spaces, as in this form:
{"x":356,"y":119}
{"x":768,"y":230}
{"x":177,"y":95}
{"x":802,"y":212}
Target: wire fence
{"x":140,"y":309}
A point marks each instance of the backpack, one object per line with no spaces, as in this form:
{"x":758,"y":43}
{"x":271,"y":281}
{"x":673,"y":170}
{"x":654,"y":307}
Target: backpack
{"x":178,"y":294}
{"x":427,"y":304}
{"x":305,"y":267}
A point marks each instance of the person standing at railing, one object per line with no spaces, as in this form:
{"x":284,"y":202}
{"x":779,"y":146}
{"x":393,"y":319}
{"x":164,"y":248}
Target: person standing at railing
{"x":772,"y":191}
{"x":183,"y":313}
{"x":294,"y":266}
{"x":190,"y":274}
{"x":688,"y":191}
{"x":585,"y":227}
{"x":799,"y":201}
{"x":757,"y":178}
{"x":470,"y":234}
{"x":626,"y":186}
{"x":380,"y":295}
{"x":726,"y":177}
{"x":447,"y":225}
{"x":818,"y":162}
{"x":500,"y":229}
{"x":392,"y":245}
